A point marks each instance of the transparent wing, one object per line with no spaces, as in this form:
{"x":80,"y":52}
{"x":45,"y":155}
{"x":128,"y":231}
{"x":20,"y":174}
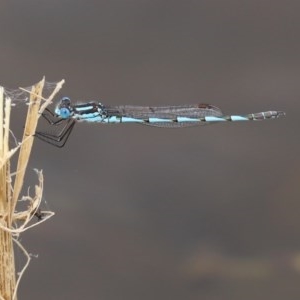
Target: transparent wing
{"x":195,"y":111}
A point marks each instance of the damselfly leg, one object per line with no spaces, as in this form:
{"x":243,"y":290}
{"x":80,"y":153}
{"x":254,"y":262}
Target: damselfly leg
{"x":50,"y":117}
{"x":57,"y":139}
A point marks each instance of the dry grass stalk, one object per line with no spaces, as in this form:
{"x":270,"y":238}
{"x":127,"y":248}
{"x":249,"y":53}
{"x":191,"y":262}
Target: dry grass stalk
{"x":12,"y":223}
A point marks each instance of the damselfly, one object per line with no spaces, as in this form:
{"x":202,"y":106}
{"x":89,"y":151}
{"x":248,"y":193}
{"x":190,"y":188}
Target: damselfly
{"x":68,"y":114}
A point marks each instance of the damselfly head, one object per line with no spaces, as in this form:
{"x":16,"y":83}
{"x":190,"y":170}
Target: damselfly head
{"x":64,"y":108}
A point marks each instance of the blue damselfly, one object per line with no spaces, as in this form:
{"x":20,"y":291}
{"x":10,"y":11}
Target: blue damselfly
{"x":178,"y":116}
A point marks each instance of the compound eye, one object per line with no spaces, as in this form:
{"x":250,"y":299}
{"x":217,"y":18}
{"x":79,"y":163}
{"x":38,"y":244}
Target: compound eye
{"x":65,"y":101}
{"x":64,"y":113}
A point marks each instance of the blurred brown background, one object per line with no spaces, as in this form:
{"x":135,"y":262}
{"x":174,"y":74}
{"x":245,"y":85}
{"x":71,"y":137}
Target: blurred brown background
{"x":146,"y":213}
